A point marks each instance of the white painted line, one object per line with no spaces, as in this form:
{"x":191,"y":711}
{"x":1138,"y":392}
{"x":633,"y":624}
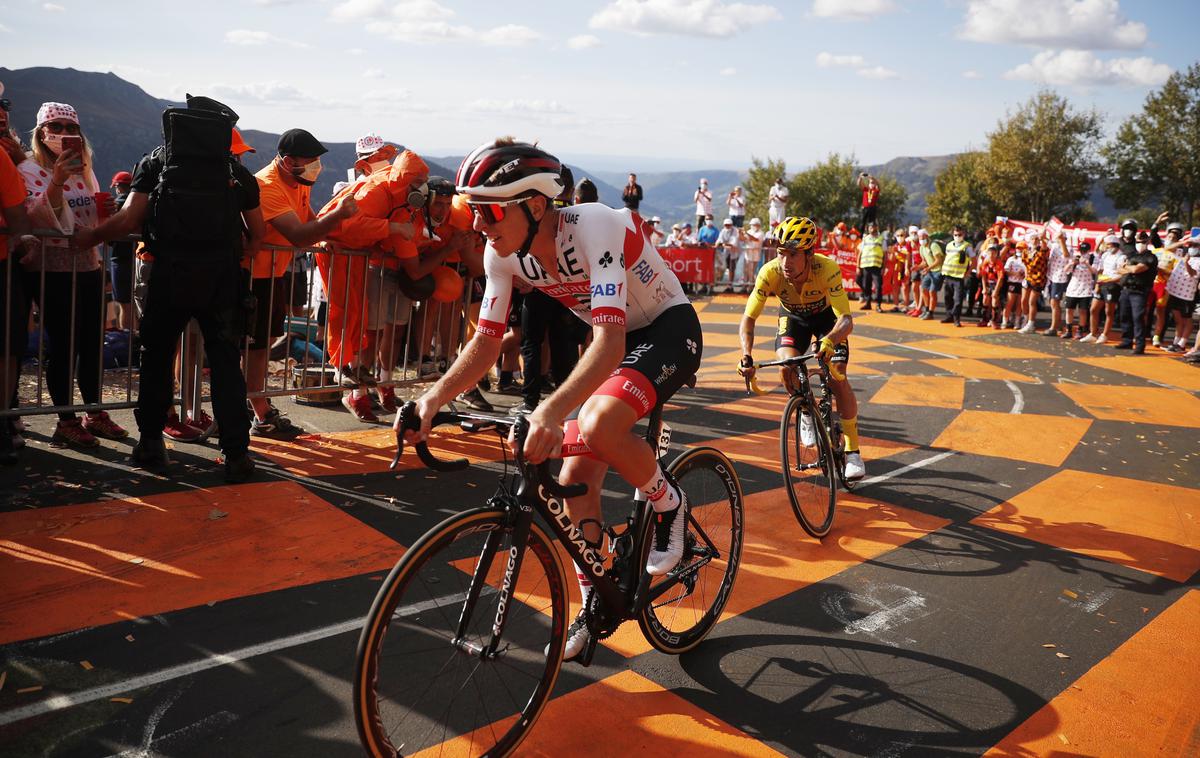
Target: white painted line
{"x":61,"y":702}
{"x":1018,"y":396}
{"x":923,"y":350}
{"x":905,"y":469}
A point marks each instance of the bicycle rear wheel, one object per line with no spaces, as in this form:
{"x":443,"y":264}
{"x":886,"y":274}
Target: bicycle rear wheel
{"x":694,"y":593}
{"x":415,"y":688}
{"x":808,"y":469}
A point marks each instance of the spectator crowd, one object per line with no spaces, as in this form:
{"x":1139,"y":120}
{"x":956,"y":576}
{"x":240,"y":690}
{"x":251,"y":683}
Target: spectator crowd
{"x":379,"y":284}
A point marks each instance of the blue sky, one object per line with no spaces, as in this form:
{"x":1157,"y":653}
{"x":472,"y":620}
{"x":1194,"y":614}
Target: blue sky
{"x":706,"y":83}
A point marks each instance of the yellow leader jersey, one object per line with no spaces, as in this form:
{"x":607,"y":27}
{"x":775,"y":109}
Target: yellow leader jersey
{"x":822,"y":291}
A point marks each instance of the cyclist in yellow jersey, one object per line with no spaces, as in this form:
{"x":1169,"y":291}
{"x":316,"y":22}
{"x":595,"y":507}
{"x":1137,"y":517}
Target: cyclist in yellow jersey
{"x":813,"y":305}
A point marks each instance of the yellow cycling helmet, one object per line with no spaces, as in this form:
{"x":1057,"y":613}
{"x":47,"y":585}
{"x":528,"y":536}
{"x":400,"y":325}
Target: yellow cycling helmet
{"x":797,"y":232}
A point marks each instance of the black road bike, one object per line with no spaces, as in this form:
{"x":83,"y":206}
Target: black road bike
{"x":465,"y":639}
{"x":813,"y":459}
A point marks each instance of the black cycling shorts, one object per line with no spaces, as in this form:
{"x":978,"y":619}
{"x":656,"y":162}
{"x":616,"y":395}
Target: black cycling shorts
{"x":659,"y":359}
{"x":799,"y":333}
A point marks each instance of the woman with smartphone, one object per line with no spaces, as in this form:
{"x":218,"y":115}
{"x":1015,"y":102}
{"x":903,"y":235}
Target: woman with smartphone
{"x":68,"y":286}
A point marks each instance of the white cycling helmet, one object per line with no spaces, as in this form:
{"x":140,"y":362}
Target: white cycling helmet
{"x":497,"y":171}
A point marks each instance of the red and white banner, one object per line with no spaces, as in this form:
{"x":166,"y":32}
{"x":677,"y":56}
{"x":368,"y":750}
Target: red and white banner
{"x":1075,"y":233}
{"x":692,"y":265}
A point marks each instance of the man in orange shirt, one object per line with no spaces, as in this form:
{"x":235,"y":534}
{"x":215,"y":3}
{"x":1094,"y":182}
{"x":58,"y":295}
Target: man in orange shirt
{"x":284,"y":187}
{"x":15,"y":312}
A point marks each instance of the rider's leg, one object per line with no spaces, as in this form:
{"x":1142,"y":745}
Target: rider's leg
{"x":584,"y":469}
{"x":847,"y":408}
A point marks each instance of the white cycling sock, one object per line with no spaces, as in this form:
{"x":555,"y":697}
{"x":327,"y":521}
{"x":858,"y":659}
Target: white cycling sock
{"x":585,"y":584}
{"x":662,"y":496}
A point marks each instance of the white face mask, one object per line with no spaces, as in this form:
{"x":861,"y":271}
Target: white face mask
{"x":53,"y":142}
{"x":1140,"y":247}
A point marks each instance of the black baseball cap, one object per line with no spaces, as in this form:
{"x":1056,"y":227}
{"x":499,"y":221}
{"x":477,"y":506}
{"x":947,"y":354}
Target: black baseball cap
{"x":297,"y":143}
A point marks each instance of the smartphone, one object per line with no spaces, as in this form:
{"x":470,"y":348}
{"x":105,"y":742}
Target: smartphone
{"x":72,"y":142}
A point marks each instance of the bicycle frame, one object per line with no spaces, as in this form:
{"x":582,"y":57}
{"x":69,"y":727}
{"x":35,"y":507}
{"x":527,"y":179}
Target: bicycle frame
{"x":538,"y":492}
{"x":824,"y":403}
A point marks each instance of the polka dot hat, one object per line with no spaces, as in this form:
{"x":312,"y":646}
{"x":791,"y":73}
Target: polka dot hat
{"x":56,"y":111}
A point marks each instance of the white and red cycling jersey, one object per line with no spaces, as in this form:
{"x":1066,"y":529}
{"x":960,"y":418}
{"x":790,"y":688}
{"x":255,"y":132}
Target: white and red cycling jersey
{"x":608,"y":272}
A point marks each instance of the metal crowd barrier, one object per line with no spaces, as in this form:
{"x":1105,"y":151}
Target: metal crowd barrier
{"x":311,"y":378}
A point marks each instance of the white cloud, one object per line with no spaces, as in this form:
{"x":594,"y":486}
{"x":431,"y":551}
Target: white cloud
{"x":374,"y":73}
{"x":4,"y":29}
{"x":266,"y":93}
{"x":517,"y":106}
{"x":703,"y":18}
{"x":878,"y":72}
{"x":729,"y":71}
{"x":355,"y":51}
{"x":583,"y":41}
{"x":852,"y":10}
{"x":1076,"y":24}
{"x":1081,"y":68}
{"x":426,"y":22}
{"x":972,"y":74}
{"x":829,"y":60}
{"x":53,"y":7}
{"x":251,"y":38}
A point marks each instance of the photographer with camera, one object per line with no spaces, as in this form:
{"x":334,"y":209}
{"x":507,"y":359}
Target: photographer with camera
{"x":703,"y":197}
{"x":870,"y":198}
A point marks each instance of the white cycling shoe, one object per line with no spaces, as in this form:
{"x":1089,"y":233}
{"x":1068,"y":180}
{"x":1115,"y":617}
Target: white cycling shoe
{"x":669,"y":528}
{"x":808,"y":435}
{"x":855,"y":468}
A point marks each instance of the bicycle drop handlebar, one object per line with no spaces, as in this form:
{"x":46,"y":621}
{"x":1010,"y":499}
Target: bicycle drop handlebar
{"x":537,"y":476}
{"x":798,"y":360}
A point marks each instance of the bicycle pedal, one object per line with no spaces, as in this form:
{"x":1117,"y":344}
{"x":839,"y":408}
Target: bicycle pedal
{"x":585,"y":657}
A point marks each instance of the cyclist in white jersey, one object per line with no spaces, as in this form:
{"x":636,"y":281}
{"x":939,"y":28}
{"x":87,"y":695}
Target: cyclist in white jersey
{"x":646,"y":336}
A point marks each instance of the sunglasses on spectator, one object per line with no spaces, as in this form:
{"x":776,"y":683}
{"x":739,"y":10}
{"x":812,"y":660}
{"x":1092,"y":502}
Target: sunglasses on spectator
{"x":58,"y":127}
{"x":493,"y":213}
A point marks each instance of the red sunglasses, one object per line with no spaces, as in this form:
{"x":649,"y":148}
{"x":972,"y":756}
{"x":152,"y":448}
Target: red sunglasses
{"x":493,"y":213}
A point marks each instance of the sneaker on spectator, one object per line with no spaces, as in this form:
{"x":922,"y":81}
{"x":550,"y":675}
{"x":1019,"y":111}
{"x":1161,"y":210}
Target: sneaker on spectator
{"x":524,"y":408}
{"x":387,"y":398}
{"x":927,"y":316}
{"x":359,"y":407}
{"x":1174,"y":348}
{"x":202,"y":422}
{"x":473,"y":398}
{"x":508,"y":386}
{"x":177,"y":430}
{"x":1156,"y":341}
{"x":347,"y":376}
{"x":239,"y":468}
{"x":1102,"y":339}
{"x":366,"y":376}
{"x":71,"y":432}
{"x":1086,"y":337}
{"x":150,"y":452}
{"x":275,"y":426}
{"x":18,"y":441}
{"x":100,"y":425}
{"x":1050,"y":333}
{"x":1027,"y":329}
{"x":428,"y":366}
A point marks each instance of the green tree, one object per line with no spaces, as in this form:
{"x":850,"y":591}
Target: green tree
{"x":1042,"y":159}
{"x":760,"y":178}
{"x":1155,"y":155}
{"x":960,"y":195}
{"x":828,"y":192}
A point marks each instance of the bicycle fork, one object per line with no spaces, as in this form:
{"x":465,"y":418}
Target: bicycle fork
{"x":512,"y":569}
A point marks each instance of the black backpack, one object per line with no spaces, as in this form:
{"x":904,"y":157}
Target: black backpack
{"x":195,"y":210}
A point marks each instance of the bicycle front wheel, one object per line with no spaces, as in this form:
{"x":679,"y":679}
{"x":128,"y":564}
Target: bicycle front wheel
{"x":422,"y":680}
{"x":685,"y":604}
{"x":808,"y":466}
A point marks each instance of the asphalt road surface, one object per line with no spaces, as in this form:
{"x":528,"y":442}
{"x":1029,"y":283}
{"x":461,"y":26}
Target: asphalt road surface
{"x":1017,"y":575}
